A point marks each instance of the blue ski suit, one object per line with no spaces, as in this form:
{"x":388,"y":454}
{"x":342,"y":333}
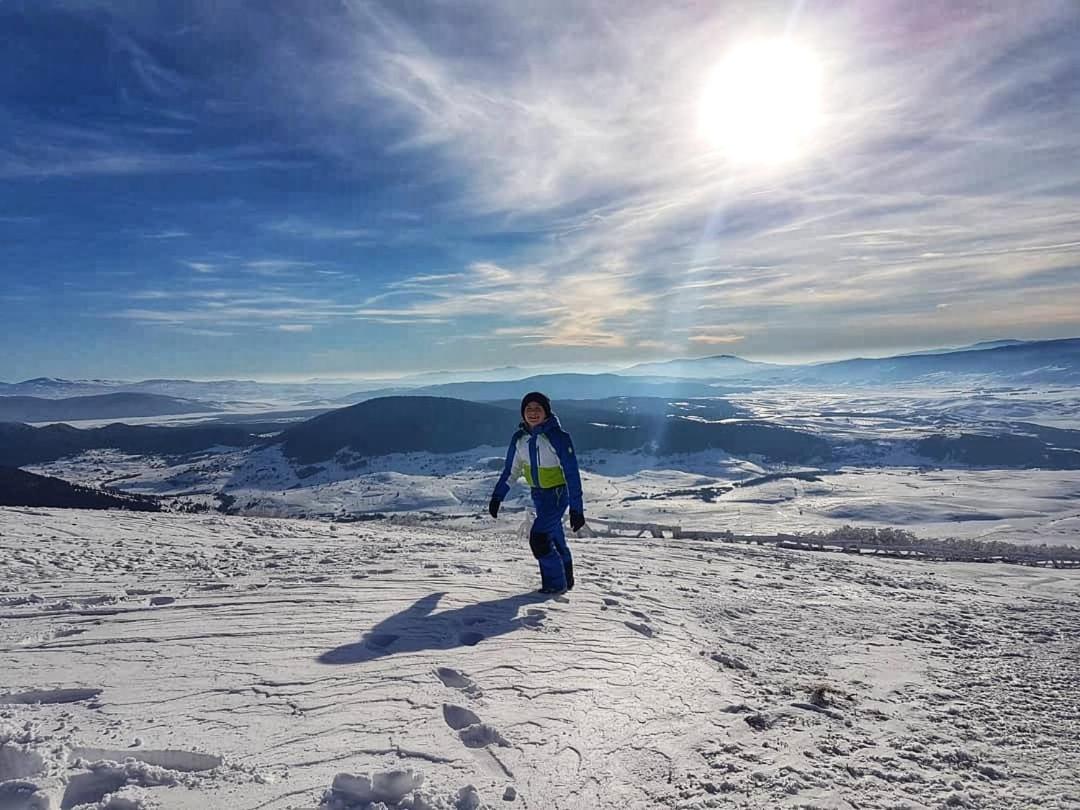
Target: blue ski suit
{"x":544,"y":455}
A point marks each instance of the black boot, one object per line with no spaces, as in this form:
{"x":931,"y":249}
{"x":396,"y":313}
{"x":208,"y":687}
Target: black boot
{"x":569,"y":568}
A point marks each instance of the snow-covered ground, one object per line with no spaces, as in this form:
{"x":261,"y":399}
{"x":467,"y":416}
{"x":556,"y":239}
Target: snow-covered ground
{"x":204,"y":661}
{"x":695,"y":491}
{"x":909,"y":410}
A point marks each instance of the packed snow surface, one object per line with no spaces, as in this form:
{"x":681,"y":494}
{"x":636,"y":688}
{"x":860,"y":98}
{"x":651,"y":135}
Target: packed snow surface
{"x":203,"y":661}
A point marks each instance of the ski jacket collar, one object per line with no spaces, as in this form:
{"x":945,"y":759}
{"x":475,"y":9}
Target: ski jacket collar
{"x":551,"y":424}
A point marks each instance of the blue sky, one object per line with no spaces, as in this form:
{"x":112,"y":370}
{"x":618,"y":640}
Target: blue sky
{"x":330,"y":189}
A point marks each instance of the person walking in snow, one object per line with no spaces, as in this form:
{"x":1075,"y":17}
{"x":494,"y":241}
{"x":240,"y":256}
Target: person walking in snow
{"x":543,"y":453}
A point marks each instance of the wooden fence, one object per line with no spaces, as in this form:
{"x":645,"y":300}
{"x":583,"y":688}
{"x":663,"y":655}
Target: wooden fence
{"x":924,"y":550}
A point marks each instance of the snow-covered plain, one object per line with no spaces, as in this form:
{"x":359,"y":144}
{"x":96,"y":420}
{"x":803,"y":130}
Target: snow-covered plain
{"x":708,"y":491}
{"x":205,"y":661}
{"x":911,"y":409}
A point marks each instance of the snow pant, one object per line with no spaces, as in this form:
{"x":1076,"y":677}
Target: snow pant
{"x":547,"y":540}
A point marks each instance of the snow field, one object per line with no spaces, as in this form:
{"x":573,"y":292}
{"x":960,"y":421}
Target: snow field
{"x":195,"y":661}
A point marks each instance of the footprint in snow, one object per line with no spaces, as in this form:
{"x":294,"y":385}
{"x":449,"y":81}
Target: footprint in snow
{"x":642,"y":628}
{"x":458,"y":717}
{"x":108,"y":776}
{"x":453,"y":679}
{"x":183,"y":761}
{"x":472,"y":732}
{"x":49,"y":696}
{"x":482,"y":735}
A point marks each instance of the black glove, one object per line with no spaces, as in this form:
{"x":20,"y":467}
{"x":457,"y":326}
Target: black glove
{"x":577,"y":519}
{"x":493,"y":506}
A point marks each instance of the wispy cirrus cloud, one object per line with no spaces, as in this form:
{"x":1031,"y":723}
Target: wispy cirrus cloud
{"x":319,"y":231}
{"x":275,"y":267}
{"x":175,"y":233}
{"x":52,"y":151}
{"x":916,"y":188}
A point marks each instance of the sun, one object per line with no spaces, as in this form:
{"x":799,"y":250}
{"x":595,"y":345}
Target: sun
{"x":762,"y":102}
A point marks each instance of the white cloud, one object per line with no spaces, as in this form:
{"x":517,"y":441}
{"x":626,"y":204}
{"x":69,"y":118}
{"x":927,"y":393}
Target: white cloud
{"x":712,"y":340}
{"x":204,"y":332}
{"x":172,"y":233}
{"x":926,"y":182}
{"x":275,"y":267}
{"x":317,"y":231}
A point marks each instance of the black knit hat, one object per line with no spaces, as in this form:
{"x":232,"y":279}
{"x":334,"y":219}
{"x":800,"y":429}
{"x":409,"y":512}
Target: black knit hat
{"x":540,"y":399}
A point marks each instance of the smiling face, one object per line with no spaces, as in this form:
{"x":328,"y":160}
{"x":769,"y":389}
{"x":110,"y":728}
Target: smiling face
{"x":534,"y":414}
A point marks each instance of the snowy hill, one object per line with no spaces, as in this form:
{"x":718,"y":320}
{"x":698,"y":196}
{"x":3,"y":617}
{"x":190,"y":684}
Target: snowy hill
{"x":443,"y":425}
{"x":400,"y":425}
{"x":194,"y":662}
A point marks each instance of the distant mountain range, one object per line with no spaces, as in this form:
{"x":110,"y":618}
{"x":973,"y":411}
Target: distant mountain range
{"x":1052,"y":362}
{"x":563,"y":386}
{"x":222,"y":391}
{"x":986,"y":344}
{"x":101,"y":406}
{"x":20,"y":488}
{"x":715,"y":367}
{"x":1005,"y":362}
{"x":1047,"y":362}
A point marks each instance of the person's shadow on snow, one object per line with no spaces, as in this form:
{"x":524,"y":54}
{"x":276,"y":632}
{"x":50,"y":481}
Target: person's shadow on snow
{"x":417,"y":628}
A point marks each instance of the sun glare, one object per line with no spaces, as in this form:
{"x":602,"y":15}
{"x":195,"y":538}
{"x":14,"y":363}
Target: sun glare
{"x":762,"y":103}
